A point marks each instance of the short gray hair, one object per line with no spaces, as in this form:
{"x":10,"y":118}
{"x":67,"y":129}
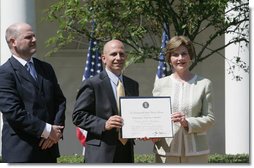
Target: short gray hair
{"x":11,"y":32}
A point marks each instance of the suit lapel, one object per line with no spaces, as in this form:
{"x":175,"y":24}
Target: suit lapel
{"x":39,"y":72}
{"x":21,"y":71}
{"x":127,"y":87}
{"x":108,"y":88}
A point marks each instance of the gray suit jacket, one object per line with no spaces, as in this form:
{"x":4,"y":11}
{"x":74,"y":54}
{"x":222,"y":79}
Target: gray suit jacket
{"x":94,"y":105}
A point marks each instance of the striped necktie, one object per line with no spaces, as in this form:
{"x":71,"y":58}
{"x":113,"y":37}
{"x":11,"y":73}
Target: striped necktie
{"x":31,"y":69}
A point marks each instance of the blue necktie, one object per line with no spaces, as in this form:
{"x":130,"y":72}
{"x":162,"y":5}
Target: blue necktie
{"x":30,"y":68}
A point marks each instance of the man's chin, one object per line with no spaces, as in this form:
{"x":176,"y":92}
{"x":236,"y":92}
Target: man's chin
{"x":33,"y":51}
{"x":117,"y":67}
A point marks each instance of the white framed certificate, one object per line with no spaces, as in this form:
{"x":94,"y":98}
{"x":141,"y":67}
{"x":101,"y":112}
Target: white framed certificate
{"x":146,"y":117}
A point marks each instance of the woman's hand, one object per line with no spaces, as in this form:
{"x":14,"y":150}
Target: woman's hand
{"x":180,"y":117}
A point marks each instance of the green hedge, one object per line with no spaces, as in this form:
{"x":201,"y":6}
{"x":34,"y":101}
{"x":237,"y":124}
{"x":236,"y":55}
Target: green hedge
{"x":144,"y":158}
{"x":149,"y":158}
{"x":219,"y":158}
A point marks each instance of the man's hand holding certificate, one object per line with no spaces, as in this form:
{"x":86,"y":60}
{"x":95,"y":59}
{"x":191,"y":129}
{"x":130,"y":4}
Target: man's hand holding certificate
{"x":146,"y":117}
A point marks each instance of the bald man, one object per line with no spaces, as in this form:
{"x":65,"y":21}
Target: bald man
{"x":31,"y":101}
{"x":96,"y":109}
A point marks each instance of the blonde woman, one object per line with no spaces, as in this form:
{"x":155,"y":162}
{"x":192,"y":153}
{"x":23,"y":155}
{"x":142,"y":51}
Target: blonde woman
{"x":192,"y":107}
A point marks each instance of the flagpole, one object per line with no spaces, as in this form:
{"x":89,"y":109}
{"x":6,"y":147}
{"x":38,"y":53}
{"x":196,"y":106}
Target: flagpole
{"x":93,"y":66}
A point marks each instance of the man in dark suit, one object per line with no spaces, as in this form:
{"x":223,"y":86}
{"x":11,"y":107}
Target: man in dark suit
{"x":96,"y":109}
{"x":31,"y":101}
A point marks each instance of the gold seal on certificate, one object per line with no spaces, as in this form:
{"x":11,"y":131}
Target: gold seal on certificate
{"x":146,"y":117}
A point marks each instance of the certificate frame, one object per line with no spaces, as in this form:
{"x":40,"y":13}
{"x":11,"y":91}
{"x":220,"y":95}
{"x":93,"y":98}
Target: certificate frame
{"x":146,"y":117}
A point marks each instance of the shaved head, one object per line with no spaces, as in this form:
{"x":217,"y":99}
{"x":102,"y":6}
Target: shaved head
{"x":114,"y":56}
{"x":110,"y":44}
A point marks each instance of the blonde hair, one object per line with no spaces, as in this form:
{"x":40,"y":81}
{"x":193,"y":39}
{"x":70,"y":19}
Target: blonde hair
{"x":176,"y":42}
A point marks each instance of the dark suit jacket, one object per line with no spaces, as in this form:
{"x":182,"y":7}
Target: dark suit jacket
{"x":26,"y":106}
{"x":94,"y":105}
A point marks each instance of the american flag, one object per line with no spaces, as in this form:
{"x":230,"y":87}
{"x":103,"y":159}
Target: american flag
{"x":162,"y":67}
{"x":93,"y":62}
{"x":93,"y":66}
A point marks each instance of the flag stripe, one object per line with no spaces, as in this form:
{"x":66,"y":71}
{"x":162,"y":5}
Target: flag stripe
{"x":81,"y":135}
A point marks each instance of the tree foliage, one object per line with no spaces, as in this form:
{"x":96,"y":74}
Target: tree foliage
{"x":139,"y":24}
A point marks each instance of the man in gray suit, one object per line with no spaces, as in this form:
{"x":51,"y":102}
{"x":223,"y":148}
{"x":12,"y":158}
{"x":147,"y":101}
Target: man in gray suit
{"x":31,"y":101}
{"x":96,"y":109}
